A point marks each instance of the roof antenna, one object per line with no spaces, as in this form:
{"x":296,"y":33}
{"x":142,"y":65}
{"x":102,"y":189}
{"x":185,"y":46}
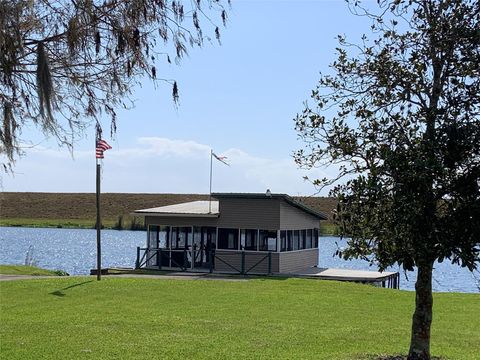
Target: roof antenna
{"x":268,"y":193}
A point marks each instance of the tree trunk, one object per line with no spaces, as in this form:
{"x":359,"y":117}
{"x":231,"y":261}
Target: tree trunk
{"x":422,"y":317}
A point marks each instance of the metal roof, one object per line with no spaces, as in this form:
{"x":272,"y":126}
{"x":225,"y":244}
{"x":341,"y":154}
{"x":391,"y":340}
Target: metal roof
{"x":193,"y":209}
{"x":285,"y":197}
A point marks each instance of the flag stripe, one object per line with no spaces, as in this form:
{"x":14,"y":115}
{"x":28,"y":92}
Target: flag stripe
{"x":102,"y":146}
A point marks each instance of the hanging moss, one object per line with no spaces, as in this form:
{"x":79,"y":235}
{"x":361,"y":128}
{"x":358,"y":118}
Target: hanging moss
{"x":44,"y":84}
{"x":8,"y":131}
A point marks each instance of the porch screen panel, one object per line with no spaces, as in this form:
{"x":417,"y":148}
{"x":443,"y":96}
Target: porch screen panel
{"x":210,"y":237}
{"x":174,"y":238}
{"x":197,"y":237}
{"x":184,"y":237}
{"x":248,"y":239}
{"x":268,"y":240}
{"x":228,"y":239}
{"x":289,"y":240}
{"x":303,"y":238}
{"x":296,"y":238}
{"x":153,"y":236}
{"x":283,"y":240}
{"x":163,"y":237}
{"x":309,"y":243}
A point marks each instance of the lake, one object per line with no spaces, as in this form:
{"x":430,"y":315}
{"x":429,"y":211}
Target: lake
{"x":74,"y":250}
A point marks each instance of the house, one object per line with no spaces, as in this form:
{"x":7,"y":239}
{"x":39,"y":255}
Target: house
{"x":234,"y":232}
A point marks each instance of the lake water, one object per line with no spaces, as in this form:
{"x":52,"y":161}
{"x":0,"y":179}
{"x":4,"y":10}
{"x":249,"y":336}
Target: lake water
{"x":74,"y":250}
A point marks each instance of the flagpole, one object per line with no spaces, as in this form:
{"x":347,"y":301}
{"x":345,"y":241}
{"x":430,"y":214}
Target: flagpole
{"x":99,"y":247}
{"x":210,"y":196}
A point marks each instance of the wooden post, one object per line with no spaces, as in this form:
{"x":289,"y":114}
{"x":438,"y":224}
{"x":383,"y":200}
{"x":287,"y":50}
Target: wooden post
{"x":243,"y":263}
{"x":137,"y":262}
{"x":159,"y":259}
{"x":210,"y":257}
{"x":99,"y":225}
{"x":269,"y":263}
{"x":185,"y":259}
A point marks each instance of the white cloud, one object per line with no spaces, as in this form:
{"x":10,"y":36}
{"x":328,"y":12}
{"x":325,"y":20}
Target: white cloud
{"x":159,"y":165}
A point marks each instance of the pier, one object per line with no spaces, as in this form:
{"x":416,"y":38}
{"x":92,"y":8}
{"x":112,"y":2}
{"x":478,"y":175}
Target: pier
{"x":385,"y":279}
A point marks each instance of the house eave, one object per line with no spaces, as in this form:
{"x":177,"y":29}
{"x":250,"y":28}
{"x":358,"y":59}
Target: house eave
{"x":154,"y":214}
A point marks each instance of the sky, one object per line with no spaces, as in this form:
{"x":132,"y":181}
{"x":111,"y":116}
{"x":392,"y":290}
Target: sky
{"x":238,"y":98}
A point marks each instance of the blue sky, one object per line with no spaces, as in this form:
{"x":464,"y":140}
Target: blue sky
{"x":238,"y":98}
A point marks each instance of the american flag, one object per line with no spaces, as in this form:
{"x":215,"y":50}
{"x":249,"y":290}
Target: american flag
{"x":220,"y":158}
{"x":102,"y":146}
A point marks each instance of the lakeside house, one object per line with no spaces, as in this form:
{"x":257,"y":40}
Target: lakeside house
{"x":234,"y":232}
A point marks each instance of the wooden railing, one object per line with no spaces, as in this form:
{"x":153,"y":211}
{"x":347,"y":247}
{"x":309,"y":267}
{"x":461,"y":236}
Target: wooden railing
{"x":159,"y":256}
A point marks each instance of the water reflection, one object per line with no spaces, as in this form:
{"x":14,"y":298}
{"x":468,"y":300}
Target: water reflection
{"x":72,"y":250}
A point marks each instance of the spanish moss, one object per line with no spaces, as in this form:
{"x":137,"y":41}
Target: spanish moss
{"x":44,"y":85}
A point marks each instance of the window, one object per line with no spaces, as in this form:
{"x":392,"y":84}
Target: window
{"x":181,"y":237}
{"x":289,"y":240}
{"x":163,"y":237}
{"x":228,"y":239}
{"x":248,"y":239}
{"x":296,"y":239}
{"x":210,"y":237}
{"x":153,"y":236}
{"x":315,"y":238}
{"x":197,"y":237}
{"x":268,"y":240}
{"x":303,"y":237}
{"x":283,"y":240}
{"x":309,"y":243}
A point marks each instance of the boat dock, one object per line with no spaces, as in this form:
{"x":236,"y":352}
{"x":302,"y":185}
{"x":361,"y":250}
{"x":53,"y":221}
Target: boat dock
{"x":385,"y":279}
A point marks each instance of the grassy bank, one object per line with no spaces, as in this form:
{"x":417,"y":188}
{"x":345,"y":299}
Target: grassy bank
{"x":25,"y":270}
{"x":77,"y":210}
{"x":326,"y":228}
{"x":258,"y":319}
{"x":72,"y":223}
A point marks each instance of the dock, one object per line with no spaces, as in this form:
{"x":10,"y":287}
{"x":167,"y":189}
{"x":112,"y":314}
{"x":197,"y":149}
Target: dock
{"x":385,"y":279}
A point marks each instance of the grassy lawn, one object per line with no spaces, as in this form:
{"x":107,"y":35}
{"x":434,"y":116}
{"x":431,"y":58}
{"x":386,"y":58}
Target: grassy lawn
{"x":118,"y":318}
{"x":55,"y":223}
{"x":24,"y":270}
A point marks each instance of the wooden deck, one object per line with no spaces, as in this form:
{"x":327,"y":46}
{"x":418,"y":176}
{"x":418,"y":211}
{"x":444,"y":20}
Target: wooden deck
{"x":385,"y":279}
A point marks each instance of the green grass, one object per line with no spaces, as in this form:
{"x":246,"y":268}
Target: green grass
{"x":118,"y":318}
{"x":24,"y":270}
{"x":60,"y":223}
{"x":56,"y":223}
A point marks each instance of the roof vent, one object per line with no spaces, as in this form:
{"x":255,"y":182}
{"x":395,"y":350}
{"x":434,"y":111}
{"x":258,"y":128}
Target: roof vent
{"x":268,"y":193}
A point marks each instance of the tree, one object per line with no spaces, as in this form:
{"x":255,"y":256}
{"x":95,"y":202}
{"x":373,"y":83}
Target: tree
{"x":65,"y":63}
{"x":400,"y":115}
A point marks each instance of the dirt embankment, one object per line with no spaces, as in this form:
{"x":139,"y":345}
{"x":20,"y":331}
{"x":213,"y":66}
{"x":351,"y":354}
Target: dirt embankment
{"x":81,"y":206}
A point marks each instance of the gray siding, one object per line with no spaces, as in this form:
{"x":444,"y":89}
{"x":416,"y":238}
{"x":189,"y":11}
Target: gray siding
{"x":293,"y":261}
{"x":266,"y":214}
{"x":234,"y":258}
{"x":292,"y":218}
{"x":249,"y":213}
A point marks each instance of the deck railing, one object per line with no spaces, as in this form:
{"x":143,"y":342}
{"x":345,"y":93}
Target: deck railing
{"x":241,"y":262}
